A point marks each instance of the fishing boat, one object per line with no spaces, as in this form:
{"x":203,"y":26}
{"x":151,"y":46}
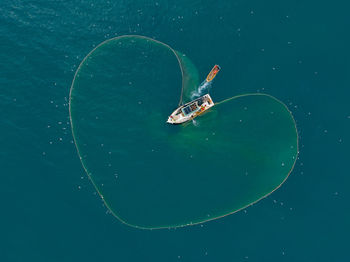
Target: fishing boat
{"x":213,"y":73}
{"x":191,"y":110}
{"x":196,"y":107}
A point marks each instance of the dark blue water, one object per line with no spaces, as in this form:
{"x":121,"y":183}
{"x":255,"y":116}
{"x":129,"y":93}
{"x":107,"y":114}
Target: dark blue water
{"x":295,"y":51}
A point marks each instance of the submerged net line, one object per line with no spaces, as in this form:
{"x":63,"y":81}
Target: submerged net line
{"x":176,"y":53}
{"x":248,"y":94}
{"x":89,"y":174}
{"x":182,"y":66}
{"x":238,"y":96}
{"x":190,"y":78}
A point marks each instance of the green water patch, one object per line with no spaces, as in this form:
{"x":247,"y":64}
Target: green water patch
{"x":190,"y":78}
{"x":154,"y":175}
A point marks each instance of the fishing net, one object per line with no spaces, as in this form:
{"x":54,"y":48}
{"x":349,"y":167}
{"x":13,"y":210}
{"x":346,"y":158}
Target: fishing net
{"x":151,"y":174}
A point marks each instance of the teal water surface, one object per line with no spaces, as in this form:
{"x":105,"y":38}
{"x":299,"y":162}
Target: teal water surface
{"x":296,"y":51}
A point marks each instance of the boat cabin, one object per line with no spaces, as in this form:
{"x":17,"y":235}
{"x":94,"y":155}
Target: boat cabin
{"x":190,"y":110}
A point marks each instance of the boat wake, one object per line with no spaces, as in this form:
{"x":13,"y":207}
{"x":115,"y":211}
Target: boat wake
{"x":203,"y":87}
{"x":195,"y":123}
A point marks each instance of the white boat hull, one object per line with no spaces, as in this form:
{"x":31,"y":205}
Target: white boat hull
{"x":190,"y":110}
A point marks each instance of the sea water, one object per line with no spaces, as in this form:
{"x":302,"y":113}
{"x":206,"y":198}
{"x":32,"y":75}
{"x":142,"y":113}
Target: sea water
{"x":297,"y":52}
